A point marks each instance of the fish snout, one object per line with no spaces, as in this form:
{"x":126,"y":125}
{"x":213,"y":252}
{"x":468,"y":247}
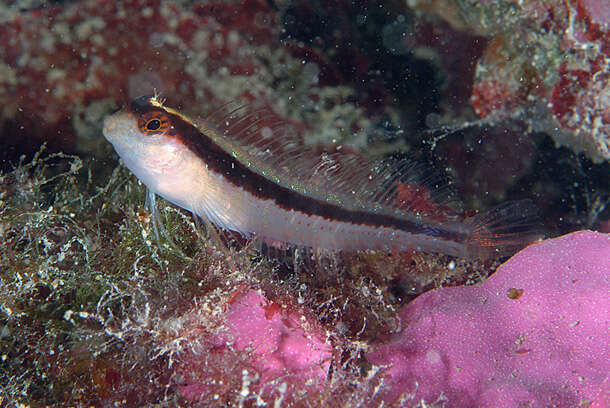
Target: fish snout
{"x":110,"y":126}
{"x":117,"y":125}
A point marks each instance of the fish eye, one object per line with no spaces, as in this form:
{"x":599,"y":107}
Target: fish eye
{"x":153,"y":124}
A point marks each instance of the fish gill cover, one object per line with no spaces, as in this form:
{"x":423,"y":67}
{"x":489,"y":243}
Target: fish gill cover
{"x":95,"y":310}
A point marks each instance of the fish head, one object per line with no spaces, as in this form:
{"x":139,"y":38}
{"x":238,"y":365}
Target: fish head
{"x":144,"y":136}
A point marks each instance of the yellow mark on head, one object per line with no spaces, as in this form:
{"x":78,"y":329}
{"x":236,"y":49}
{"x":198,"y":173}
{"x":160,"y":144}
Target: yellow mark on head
{"x":157,"y":102}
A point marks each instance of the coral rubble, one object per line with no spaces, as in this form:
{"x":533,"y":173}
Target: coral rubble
{"x":545,"y":62}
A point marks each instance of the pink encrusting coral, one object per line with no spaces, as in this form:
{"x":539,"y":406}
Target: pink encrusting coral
{"x":534,"y":334}
{"x":271,"y":344}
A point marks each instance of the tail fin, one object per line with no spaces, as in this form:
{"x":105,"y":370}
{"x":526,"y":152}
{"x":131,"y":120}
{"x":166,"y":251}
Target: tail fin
{"x":504,"y":229}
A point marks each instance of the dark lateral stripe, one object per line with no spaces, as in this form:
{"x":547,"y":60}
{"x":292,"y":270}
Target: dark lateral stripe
{"x":240,"y":175}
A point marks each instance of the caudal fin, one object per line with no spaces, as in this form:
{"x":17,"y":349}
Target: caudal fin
{"x":505,"y":229}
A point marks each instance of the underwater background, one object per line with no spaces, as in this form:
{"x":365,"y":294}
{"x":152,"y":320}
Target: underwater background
{"x":509,"y":99}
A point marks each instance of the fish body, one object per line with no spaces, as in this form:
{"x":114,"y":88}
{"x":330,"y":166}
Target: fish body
{"x":225,"y":168}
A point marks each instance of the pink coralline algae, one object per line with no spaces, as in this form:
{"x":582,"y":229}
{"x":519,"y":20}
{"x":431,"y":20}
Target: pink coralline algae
{"x":549,"y":62}
{"x":278,"y":341}
{"x":274,"y":345}
{"x":534,"y":334}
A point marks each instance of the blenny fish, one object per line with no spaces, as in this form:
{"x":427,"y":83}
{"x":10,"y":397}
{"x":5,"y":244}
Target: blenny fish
{"x":235,"y":169}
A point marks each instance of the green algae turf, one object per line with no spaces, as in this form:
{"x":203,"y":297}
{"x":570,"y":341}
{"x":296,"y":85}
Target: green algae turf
{"x":73,"y":265}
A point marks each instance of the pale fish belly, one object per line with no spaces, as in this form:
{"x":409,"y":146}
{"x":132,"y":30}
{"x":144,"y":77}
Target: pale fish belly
{"x":233,"y":208}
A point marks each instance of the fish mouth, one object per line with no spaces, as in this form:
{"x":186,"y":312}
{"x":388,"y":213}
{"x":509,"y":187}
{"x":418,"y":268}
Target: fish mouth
{"x":114,"y":125}
{"x":109,"y":127}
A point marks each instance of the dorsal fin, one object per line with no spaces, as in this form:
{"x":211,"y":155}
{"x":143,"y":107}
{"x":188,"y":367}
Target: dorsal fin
{"x":269,"y":146}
